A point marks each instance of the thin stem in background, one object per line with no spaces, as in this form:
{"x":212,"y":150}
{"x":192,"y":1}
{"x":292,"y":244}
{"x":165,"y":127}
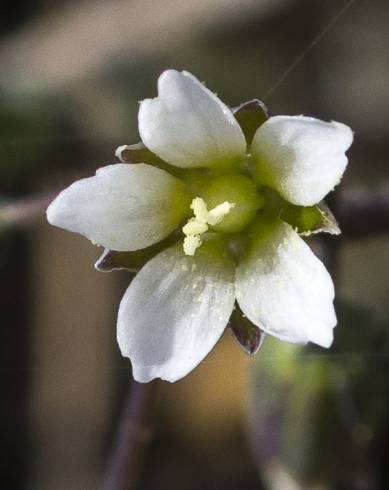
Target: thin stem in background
{"x":359,"y":213}
{"x":134,"y":434}
{"x":26,"y":211}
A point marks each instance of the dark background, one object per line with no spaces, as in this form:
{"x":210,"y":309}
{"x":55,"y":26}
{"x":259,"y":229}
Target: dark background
{"x":71,"y":76}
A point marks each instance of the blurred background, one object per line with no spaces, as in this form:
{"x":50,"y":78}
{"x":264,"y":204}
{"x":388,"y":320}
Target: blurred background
{"x":71,"y":76}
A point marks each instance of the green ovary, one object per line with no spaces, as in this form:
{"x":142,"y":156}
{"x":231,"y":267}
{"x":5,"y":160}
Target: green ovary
{"x":235,"y":189}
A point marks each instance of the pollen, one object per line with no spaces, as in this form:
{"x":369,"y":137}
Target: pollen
{"x":199,"y":224}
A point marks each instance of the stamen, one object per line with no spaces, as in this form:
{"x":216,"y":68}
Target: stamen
{"x":198,"y":225}
{"x":217,"y":214}
{"x":200,"y":209}
{"x":191,"y":244}
{"x":194,"y":227}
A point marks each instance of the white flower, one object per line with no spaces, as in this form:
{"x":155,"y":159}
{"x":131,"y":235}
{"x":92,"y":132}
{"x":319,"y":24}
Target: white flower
{"x":238,"y":207}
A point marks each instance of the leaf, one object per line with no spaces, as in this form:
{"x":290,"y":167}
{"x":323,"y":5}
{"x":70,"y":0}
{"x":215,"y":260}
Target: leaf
{"x":250,"y":115}
{"x":248,"y":335}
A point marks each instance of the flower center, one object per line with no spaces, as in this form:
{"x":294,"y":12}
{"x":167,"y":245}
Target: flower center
{"x":199,"y":224}
{"x":225,"y":204}
{"x":240,"y":190}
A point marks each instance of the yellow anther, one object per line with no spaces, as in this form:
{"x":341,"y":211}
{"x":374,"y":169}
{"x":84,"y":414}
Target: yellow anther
{"x":194,"y":227}
{"x":217,"y":213}
{"x":191,"y":244}
{"x":199,"y":209}
{"x":198,"y":225}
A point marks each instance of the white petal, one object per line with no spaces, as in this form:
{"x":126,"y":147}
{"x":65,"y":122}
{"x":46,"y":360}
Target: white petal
{"x":123,"y":207}
{"x":174,"y":312}
{"x":188,"y":126}
{"x":285,"y":289}
{"x":301,"y":157}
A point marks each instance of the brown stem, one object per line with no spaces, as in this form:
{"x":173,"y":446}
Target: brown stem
{"x":358,"y":214}
{"x":25,"y":211}
{"x":133,"y":436}
{"x":28,"y":210}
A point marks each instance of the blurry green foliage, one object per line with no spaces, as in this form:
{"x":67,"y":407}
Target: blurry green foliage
{"x":320,"y":414}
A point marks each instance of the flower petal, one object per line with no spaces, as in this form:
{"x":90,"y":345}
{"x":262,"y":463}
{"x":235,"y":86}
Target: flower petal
{"x":285,"y":289}
{"x":123,"y":207}
{"x":188,"y":126}
{"x":301,"y":157}
{"x":174,"y":312}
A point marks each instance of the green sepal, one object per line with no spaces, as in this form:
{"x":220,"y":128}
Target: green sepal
{"x":138,"y":153}
{"x":111,"y":260}
{"x":311,"y":219}
{"x":248,"y":335}
{"x":250,"y":115}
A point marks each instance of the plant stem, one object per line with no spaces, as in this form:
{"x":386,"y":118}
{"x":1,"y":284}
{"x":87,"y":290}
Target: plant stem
{"x":25,"y":211}
{"x":133,"y":436}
